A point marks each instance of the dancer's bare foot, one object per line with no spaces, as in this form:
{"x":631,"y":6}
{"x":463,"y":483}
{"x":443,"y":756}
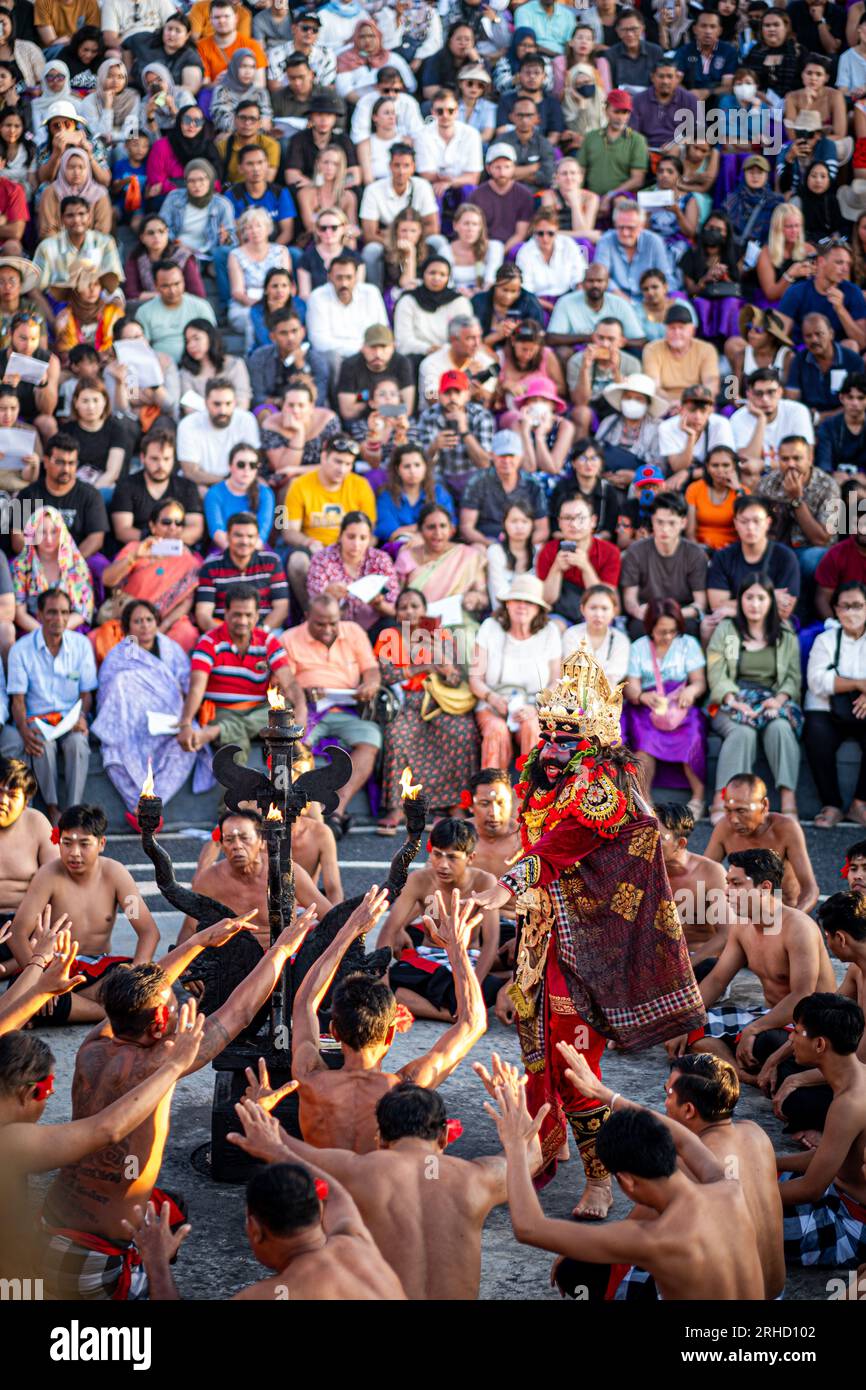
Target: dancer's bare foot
{"x":596,"y":1201}
{"x":808,"y":1138}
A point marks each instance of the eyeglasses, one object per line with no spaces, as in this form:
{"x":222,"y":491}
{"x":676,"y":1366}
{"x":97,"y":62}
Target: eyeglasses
{"x":545,"y":234}
{"x":850,"y":607}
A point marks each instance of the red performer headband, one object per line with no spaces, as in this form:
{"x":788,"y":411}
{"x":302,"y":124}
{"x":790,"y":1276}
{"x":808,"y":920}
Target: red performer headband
{"x":429,"y":846}
{"x":845,"y":867}
{"x":216,"y":835}
{"x":465,"y":800}
{"x":403,"y":1019}
{"x":160,"y":1015}
{"x":44,"y":1088}
{"x":321,"y":1189}
{"x":55,"y":835}
{"x":453,"y":1131}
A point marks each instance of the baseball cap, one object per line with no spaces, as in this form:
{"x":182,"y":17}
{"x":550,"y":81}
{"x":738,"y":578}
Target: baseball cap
{"x":648,"y":475}
{"x":453,"y":381}
{"x":378,"y":335}
{"x":619,"y":100}
{"x":309,"y":15}
{"x":757,"y":161}
{"x":501,"y":151}
{"x":700,"y":395}
{"x":678,"y":313}
{"x":507,"y":442}
{"x":63,"y":109}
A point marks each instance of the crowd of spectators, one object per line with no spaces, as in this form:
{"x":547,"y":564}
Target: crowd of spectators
{"x":390,"y":352}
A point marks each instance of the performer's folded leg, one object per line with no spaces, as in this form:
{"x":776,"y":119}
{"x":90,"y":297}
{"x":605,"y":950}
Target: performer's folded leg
{"x":586,"y":1123}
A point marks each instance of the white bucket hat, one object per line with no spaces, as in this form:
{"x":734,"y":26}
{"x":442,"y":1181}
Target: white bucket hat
{"x":645,"y":386}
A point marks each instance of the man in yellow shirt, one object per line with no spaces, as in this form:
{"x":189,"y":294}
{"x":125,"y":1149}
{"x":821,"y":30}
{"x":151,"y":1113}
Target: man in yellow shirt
{"x":316,"y":504}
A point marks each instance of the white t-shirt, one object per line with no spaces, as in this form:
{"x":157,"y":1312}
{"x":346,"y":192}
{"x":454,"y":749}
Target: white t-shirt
{"x":565,"y":269}
{"x":126,"y":17}
{"x":465,"y":276}
{"x":519,"y":665}
{"x":791,"y":418}
{"x":199,"y":443}
{"x":381,"y":204}
{"x":673,"y":438}
{"x":459,"y":155}
{"x":410,"y":122}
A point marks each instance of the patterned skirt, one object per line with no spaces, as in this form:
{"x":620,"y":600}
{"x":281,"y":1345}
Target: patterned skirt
{"x":443,"y":753}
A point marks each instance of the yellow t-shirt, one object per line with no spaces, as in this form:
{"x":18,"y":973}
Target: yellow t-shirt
{"x":318,"y":512}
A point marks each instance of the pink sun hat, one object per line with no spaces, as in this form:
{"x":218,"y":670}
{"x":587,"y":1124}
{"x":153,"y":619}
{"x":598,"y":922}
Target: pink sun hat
{"x":539,"y":386}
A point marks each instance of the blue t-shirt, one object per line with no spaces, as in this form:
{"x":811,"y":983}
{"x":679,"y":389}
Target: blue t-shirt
{"x":802,"y":299}
{"x":220,"y":506}
{"x":723,"y":63}
{"x":391,"y":514}
{"x":280,"y":205}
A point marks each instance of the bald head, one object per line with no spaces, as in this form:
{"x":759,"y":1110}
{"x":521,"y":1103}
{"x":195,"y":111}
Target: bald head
{"x":324,"y":619}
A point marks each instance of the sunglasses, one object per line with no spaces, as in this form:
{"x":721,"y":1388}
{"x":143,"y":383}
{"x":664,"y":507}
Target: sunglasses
{"x":193,"y":120}
{"x":545,"y":234}
{"x":342,"y":444}
{"x":445,"y":111}
{"x":330,"y":226}
{"x":246,"y":463}
{"x":44,"y":1088}
{"x":171,"y":521}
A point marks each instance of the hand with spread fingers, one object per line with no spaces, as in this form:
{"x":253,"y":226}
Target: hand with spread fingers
{"x":260,"y":1091}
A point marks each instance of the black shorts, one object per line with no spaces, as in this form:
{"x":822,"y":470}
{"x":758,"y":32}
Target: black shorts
{"x":433,"y":982}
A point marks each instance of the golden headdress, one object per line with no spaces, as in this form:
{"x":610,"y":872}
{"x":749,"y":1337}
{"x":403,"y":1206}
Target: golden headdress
{"x":582,"y":701}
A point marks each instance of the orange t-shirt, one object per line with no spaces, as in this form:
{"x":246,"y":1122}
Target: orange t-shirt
{"x":216,"y":59}
{"x":715,"y":522}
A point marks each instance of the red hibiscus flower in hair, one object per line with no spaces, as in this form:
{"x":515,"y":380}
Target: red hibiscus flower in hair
{"x":465,"y":800}
{"x":845,"y":867}
{"x":583,"y":745}
{"x":453,"y":1131}
{"x":321,"y":1189}
{"x":216,"y":835}
{"x":403,"y":1019}
{"x":55,"y":835}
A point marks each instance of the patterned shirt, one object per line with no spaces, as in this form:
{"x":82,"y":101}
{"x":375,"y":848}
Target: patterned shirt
{"x":236,"y":681}
{"x":821,"y":495}
{"x":326,"y":567}
{"x":454,"y":466}
{"x":219,"y":575}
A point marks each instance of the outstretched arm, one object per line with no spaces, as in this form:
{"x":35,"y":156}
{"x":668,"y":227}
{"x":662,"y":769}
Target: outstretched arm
{"x":264,"y":1137}
{"x":306,"y":1057}
{"x":30,"y":1148}
{"x":46,"y":977}
{"x":176,"y":961}
{"x":453,"y":931}
{"x":244,"y":1002}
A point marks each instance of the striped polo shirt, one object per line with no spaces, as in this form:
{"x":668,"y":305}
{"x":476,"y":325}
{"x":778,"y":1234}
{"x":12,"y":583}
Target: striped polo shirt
{"x":218,"y":576}
{"x":235,"y":680}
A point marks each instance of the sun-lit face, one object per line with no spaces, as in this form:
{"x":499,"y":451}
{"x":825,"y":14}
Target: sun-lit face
{"x":12,"y":803}
{"x":329,"y":166}
{"x":468,"y":227}
{"x":90,"y":406}
{"x":25,"y":337}
{"x":11,"y":129}
{"x":598,"y":611}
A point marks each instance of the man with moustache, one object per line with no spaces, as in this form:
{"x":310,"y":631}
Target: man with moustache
{"x":598,"y":933}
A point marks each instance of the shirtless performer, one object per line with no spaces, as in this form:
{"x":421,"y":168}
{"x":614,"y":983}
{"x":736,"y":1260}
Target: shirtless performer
{"x":428,"y":1231}
{"x":700,"y":1094}
{"x":492,"y":806}
{"x":782,"y":946}
{"x":88,"y":1203}
{"x":240,"y":880}
{"x":26,"y":1082}
{"x":89,"y":888}
{"x":854,"y":868}
{"x":750,"y":824}
{"x":307,"y":1230}
{"x":25,"y":845}
{"x":800,"y":1095}
{"x":338,"y":1108}
{"x":825,"y":1200}
{"x":698,"y":1243}
{"x":700,"y":889}
{"x":420,"y":977}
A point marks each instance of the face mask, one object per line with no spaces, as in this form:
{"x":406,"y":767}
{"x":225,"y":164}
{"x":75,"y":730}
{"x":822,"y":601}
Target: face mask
{"x":586,"y":89}
{"x":634,"y":410}
{"x":712,"y":238}
{"x":744,"y":91}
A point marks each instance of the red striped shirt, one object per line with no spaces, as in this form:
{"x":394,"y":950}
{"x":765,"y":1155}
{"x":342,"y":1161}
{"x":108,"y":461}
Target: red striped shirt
{"x":234,"y":679}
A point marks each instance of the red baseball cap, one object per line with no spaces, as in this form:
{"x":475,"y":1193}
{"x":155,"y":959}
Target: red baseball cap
{"x":453,"y":381}
{"x":619,"y":100}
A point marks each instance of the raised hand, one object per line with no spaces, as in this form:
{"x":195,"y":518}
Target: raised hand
{"x":580,"y":1075}
{"x":291,"y":937}
{"x":55,"y":977}
{"x":43,"y":942}
{"x":454,"y":928}
{"x":152,"y":1235}
{"x":513,"y":1121}
{"x":185,"y":1043}
{"x":260,"y":1091}
{"x":503,"y":1074}
{"x":369,"y":911}
{"x":262,"y":1134}
{"x":227,"y":928}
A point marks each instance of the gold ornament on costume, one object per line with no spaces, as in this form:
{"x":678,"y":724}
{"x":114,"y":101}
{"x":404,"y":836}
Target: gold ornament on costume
{"x":582,"y":701}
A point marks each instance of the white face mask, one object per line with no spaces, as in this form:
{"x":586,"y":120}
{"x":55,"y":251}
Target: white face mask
{"x":634,"y":410}
{"x":744,"y":91}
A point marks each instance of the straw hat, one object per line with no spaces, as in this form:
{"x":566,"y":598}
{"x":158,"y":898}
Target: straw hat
{"x":767,"y":321}
{"x":645,"y":386}
{"x":26,"y":269}
{"x":525,"y":588}
{"x":81,"y":272}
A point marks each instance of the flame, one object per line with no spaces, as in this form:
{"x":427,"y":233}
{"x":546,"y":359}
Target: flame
{"x":147,"y":786}
{"x":274,"y":813}
{"x":275,"y":698}
{"x":407,"y":791}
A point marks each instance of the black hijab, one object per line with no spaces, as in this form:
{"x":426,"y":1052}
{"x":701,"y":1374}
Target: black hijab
{"x":430,"y":300}
{"x":821,"y":214}
{"x":187,"y":147}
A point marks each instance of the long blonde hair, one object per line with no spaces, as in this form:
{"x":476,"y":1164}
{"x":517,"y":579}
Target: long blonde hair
{"x":776,"y":238}
{"x":340,"y":180}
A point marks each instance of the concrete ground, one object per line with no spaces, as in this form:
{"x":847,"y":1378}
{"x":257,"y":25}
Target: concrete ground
{"x":216,"y":1259}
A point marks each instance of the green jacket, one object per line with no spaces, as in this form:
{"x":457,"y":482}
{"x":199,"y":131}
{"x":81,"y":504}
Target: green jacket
{"x":723,"y":655}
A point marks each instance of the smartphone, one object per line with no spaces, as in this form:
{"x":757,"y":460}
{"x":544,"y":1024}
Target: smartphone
{"x":170,"y":545}
{"x":570,"y":546}
{"x":393,"y":412}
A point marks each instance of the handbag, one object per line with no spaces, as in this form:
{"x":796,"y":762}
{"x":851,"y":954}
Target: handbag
{"x":382,"y":708}
{"x":842,"y":704}
{"x":672,"y":716}
{"x":442,"y":698}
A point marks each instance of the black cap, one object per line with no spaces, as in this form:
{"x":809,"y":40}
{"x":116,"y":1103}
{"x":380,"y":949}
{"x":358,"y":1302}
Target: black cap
{"x":327,"y":104}
{"x":309,"y":15}
{"x":678,"y":313}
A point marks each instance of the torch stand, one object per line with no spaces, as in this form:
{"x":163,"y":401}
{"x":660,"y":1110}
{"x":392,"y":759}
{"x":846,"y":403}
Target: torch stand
{"x":280,"y":802}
